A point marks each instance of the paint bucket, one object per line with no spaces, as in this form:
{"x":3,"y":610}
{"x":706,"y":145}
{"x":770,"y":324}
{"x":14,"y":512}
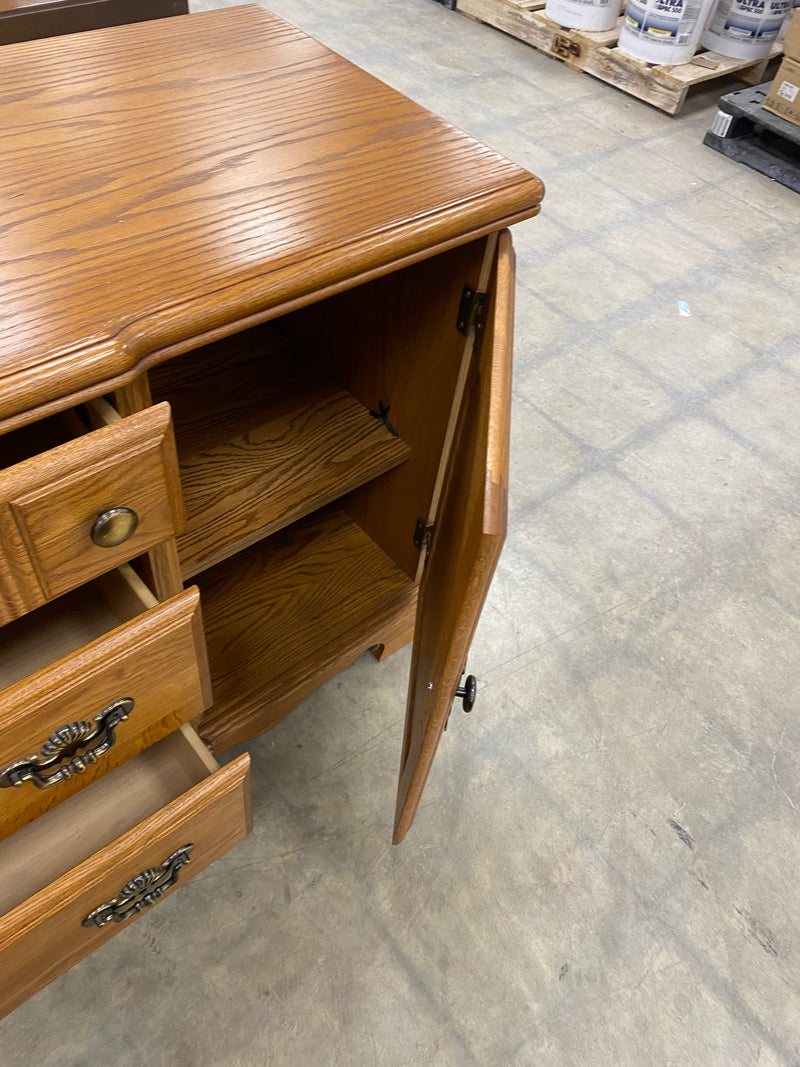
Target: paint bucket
{"x":584,"y":14}
{"x":663,"y":31}
{"x":787,"y":20}
{"x":745,"y":29}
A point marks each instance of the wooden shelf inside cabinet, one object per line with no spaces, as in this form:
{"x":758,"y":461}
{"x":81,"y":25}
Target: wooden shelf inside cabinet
{"x":263,"y":440}
{"x":280,"y":616}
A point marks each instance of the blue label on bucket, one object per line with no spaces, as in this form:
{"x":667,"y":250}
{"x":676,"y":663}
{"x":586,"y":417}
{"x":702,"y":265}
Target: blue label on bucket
{"x":749,"y":20}
{"x":666,"y":20}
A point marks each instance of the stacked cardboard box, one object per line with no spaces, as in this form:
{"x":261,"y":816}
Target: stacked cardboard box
{"x":784,"y":97}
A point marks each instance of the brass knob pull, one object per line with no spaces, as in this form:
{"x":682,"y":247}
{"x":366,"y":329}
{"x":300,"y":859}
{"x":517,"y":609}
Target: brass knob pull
{"x":47,"y":768}
{"x":114,"y":526}
{"x":141,"y":892}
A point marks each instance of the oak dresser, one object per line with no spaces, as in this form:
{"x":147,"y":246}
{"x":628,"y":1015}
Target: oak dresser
{"x":254,"y":411}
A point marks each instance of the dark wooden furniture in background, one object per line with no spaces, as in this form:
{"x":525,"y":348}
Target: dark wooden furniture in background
{"x":28,"y":20}
{"x":257,"y":338}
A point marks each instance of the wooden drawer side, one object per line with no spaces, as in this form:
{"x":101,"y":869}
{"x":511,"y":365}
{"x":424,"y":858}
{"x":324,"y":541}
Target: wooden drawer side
{"x":20,"y":591}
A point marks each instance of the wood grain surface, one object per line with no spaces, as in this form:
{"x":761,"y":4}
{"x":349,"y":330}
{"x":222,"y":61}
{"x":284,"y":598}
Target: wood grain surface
{"x":467,"y":541}
{"x":264,"y":438}
{"x":176,"y":180}
{"x":280,"y":613}
{"x":158,"y":660}
{"x":49,"y":502}
{"x":42,"y":936}
{"x":396,"y":339}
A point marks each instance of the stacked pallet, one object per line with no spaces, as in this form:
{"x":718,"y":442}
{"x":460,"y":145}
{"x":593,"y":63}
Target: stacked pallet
{"x":665,"y":86}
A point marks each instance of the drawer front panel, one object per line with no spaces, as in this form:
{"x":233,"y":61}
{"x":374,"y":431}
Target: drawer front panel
{"x":56,"y":528}
{"x":52,"y":930}
{"x":157,"y":661}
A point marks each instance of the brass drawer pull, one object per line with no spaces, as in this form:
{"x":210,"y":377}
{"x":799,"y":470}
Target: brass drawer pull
{"x":65,"y":744}
{"x":142,"y":891}
{"x":113,"y":527}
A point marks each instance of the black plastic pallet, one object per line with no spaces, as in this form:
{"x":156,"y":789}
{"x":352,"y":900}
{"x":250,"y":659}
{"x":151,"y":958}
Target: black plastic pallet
{"x":744,"y":131}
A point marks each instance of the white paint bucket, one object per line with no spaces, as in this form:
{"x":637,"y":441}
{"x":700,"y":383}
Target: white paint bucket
{"x":584,"y":14}
{"x":663,"y":31}
{"x":745,"y":29}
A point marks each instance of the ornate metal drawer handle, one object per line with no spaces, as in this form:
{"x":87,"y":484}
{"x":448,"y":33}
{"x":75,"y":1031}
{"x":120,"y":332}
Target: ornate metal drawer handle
{"x":141,"y":892}
{"x":65,"y":744}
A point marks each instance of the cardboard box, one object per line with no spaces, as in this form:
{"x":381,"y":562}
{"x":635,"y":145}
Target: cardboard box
{"x":783,"y":97}
{"x":791,"y":42}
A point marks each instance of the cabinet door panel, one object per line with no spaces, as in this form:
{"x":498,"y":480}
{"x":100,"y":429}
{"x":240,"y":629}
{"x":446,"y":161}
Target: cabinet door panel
{"x":467,"y":540}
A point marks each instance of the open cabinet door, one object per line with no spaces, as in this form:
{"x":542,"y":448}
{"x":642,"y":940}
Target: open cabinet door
{"x":466,"y":543}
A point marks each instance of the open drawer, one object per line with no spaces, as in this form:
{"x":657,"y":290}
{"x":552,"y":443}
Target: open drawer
{"x":88,"y":681}
{"x":76,"y":510}
{"x":74,"y":877}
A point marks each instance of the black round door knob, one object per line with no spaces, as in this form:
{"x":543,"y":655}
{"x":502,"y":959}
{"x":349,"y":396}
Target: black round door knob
{"x":468,"y":692}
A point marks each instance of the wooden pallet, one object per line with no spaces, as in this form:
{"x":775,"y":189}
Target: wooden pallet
{"x":597,"y":54}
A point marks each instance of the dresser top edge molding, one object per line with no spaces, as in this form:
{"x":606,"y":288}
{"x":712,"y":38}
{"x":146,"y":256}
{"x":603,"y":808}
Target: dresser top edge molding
{"x":170,"y":182}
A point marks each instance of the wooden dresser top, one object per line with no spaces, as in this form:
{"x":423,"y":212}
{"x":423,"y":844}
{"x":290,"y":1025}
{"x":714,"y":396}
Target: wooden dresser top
{"x":172,"y":181}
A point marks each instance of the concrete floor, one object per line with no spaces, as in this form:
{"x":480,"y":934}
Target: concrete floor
{"x":605,"y":867}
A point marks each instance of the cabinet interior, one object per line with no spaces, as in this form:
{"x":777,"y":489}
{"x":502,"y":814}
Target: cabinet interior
{"x":265,"y":436}
{"x":57,"y":841}
{"x":69,"y":622}
{"x":309,"y":448}
{"x":395,"y":340}
{"x":286,"y":609}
